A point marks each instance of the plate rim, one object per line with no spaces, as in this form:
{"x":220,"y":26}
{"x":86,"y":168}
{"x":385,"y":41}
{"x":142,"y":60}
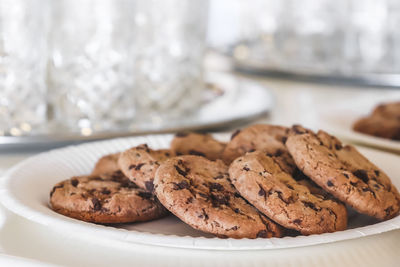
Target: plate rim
{"x":348,"y":133}
{"x":104,"y":233}
{"x":366,"y":139}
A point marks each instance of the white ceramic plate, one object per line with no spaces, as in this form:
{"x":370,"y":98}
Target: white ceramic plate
{"x":25,"y":191}
{"x":339,"y":118}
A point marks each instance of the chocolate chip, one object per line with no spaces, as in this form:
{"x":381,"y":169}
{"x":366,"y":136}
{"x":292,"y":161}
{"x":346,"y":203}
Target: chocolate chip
{"x":338,"y":146}
{"x":55,"y":188}
{"x":298,"y":129}
{"x":149,"y":185}
{"x":218,"y":200}
{"x":237,"y":195}
{"x":353,"y":183}
{"x":128,"y":184}
{"x":196,"y":153}
{"x":180,"y":171}
{"x":278,"y":153}
{"x":299,"y":175}
{"x":139,"y":166}
{"x":145,"y":195}
{"x":288,"y":201}
{"x":246,"y":169}
{"x":262,"y":234}
{"x":189,"y":200}
{"x":218,"y":177}
{"x":117,"y":176}
{"x":132,"y":166}
{"x":284,"y":139}
{"x":216,"y":186}
{"x":181,"y":185}
{"x":105,"y":191}
{"x":297,"y":221}
{"x":74,"y":182}
{"x":236,"y":210}
{"x":362,"y":174}
{"x":235,"y":133}
{"x":251,"y":150}
{"x":311,"y":205}
{"x":204,"y":215}
{"x":96,"y":204}
{"x":290,"y":187}
{"x":261,"y":192}
{"x":389,"y":211}
{"x":367,"y":189}
{"x":377,"y":172}
{"x":346,"y":175}
{"x":143,"y":147}
{"x":329,"y":183}
{"x":181,"y":134}
{"x":234,"y":228}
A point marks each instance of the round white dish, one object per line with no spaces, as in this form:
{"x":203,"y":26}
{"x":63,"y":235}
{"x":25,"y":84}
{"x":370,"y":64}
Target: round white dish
{"x":25,"y":190}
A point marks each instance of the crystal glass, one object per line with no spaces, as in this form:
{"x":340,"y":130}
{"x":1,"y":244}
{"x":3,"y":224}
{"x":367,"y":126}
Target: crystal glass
{"x":91,"y":65}
{"x":169,"y":49}
{"x":342,"y":37}
{"x":117,"y":63}
{"x":23,"y":29}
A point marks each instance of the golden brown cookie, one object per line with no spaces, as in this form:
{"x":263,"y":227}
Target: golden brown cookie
{"x":268,"y":138}
{"x":383,"y":122}
{"x":140,"y":163}
{"x":105,"y":198}
{"x":344,"y":172}
{"x":197,"y":144}
{"x":199,"y":192}
{"x":293,"y":204}
{"x":106,"y":164}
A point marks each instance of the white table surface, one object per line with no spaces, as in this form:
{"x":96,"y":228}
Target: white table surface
{"x":29,"y":244}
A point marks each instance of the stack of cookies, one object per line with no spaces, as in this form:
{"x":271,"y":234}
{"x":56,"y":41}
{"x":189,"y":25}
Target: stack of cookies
{"x":267,"y":181}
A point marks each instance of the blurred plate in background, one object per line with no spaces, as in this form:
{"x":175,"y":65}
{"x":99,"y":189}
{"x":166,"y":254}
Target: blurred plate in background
{"x":338,"y":119}
{"x":260,"y":67}
{"x":228,"y":101}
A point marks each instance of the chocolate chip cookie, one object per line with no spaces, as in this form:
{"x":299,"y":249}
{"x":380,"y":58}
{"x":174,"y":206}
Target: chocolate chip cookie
{"x":383,"y":122}
{"x":268,"y":138}
{"x":105,"y":198}
{"x":344,"y":172}
{"x":197,"y":144}
{"x":106,"y":164}
{"x":200,"y":193}
{"x":140,"y":163}
{"x":293,"y":204}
